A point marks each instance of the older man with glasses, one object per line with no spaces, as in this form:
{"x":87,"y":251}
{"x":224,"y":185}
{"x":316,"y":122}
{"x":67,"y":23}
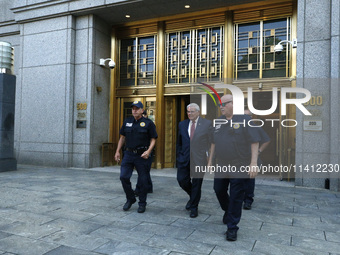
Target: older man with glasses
{"x":193,"y":142}
{"x":235,"y":145}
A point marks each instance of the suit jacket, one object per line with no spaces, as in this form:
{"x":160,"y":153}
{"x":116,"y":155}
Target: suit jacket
{"x":200,"y":144}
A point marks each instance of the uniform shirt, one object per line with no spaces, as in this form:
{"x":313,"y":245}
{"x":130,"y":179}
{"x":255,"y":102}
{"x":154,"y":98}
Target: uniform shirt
{"x":263,"y":135}
{"x":234,"y":142}
{"x":138,"y":132}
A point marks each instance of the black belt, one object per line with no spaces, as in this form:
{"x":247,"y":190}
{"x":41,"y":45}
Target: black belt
{"x":139,"y":150}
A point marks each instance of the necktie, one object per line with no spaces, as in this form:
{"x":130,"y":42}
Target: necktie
{"x":192,"y":130}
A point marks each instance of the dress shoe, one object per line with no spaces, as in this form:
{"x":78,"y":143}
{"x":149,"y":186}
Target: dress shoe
{"x":141,"y":209}
{"x":247,"y":206}
{"x":128,"y":204}
{"x":225,"y":215}
{"x":188,"y":205}
{"x":193,"y":213}
{"x":231,"y":235}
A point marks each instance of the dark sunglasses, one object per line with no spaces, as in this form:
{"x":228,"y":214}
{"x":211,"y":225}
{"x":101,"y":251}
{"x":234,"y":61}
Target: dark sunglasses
{"x":224,"y":104}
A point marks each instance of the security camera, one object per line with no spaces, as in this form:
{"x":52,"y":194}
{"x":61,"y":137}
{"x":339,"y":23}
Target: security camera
{"x":278,"y":48}
{"x":112,"y":64}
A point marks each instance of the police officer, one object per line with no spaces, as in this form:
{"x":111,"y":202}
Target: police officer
{"x":140,"y":136}
{"x":236,"y":146}
{"x":150,"y":188}
{"x":250,"y":182}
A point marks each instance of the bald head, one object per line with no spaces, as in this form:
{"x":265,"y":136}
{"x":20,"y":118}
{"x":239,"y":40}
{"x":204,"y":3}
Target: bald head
{"x":226,"y":98}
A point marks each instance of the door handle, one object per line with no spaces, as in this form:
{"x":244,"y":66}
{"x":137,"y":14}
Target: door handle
{"x":277,"y":142}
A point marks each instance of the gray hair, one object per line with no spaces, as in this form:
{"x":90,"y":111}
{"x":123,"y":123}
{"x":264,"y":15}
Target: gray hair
{"x":194,"y":106}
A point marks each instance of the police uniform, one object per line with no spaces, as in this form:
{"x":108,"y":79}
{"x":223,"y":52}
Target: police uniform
{"x":137,"y":140}
{"x":250,"y":182}
{"x":233,"y":147}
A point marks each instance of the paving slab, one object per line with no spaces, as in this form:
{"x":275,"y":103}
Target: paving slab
{"x":22,"y":245}
{"x":52,"y":211}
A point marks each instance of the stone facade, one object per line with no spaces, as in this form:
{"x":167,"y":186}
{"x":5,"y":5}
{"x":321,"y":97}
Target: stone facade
{"x":318,"y":71}
{"x":58,"y":45}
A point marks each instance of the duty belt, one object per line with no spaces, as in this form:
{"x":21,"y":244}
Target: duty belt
{"x":139,"y":150}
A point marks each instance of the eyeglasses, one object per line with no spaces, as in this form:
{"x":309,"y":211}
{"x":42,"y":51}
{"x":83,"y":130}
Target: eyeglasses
{"x":224,"y":104}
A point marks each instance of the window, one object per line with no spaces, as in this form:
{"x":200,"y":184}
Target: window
{"x":254,"y":49}
{"x":194,"y":55}
{"x":138,"y":61}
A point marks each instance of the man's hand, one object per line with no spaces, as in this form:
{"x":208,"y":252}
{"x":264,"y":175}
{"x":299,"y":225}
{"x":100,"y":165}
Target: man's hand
{"x":253,"y":170}
{"x":145,"y":155}
{"x":117,"y":156}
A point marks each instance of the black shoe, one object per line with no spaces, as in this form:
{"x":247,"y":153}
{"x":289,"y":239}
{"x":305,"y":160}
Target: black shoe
{"x":141,"y":209}
{"x":188,"y":206}
{"x":247,"y":206}
{"x":128,"y":204}
{"x":225,"y":215}
{"x":193,"y":213}
{"x":231,"y":235}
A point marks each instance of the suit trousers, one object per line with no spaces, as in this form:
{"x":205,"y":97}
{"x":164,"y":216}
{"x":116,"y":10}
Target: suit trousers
{"x":130,"y":161}
{"x":232,"y":202}
{"x":192,"y":186}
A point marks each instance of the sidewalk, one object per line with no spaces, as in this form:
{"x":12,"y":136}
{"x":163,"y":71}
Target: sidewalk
{"x":51,"y":211}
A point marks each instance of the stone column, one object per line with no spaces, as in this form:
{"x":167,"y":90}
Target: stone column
{"x":7,"y":107}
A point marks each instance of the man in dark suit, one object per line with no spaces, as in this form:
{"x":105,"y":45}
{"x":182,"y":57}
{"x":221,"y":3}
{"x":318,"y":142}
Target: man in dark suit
{"x":194,"y":139}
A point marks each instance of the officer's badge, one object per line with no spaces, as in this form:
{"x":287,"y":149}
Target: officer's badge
{"x":135,"y":102}
{"x":142,"y":124}
{"x":236,"y":126}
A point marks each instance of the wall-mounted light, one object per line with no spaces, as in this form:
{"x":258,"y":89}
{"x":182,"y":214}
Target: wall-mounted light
{"x":6,"y":58}
{"x":127,"y":16}
{"x":112,"y":64}
{"x":279,"y":47}
{"x":186,"y":6}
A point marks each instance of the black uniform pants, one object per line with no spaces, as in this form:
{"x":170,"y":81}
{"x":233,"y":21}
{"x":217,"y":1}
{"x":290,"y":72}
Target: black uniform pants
{"x":232,"y":202}
{"x":192,"y":186}
{"x":150,"y":185}
{"x":142,"y":166}
{"x":249,"y":190}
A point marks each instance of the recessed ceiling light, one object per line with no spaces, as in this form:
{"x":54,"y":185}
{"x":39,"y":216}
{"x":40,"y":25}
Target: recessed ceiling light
{"x":127,"y":16}
{"x":187,"y":6}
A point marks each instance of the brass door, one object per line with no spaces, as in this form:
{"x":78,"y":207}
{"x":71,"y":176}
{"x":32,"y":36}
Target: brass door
{"x":282,"y":145}
{"x":170,"y":132}
{"x":175,"y":111}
